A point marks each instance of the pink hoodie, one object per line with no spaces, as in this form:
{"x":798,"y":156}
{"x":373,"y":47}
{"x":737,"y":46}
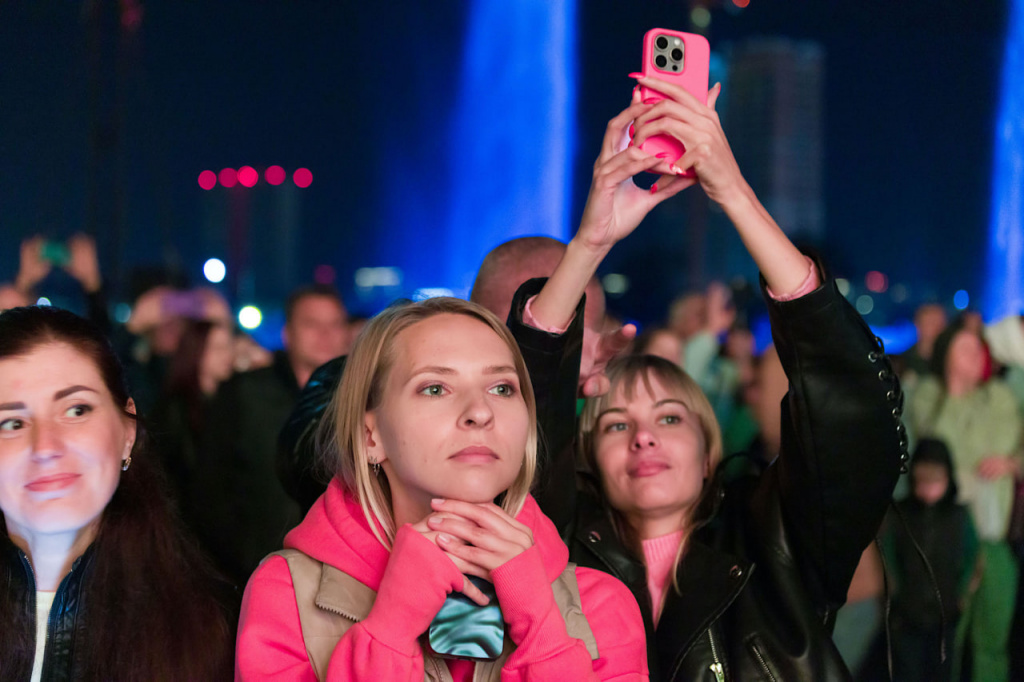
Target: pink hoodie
{"x":411,"y":583}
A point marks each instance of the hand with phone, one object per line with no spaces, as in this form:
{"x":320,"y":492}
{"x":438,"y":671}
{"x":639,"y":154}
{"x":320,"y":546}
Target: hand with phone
{"x":683,"y":59}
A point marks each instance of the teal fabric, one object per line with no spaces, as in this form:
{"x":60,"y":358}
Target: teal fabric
{"x":464,"y":629}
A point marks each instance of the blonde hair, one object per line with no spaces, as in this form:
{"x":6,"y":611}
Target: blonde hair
{"x":342,"y":438}
{"x":625,"y":372}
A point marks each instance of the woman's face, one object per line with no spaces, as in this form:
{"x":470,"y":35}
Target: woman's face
{"x":218,"y":355}
{"x":966,"y":359}
{"x":62,"y":440}
{"x":452,"y":421}
{"x":650,"y":451}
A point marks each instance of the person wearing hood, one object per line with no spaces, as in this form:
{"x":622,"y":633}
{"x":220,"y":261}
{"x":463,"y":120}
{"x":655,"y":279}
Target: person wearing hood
{"x":979,"y":421}
{"x":434,"y":443}
{"x":945,"y":534}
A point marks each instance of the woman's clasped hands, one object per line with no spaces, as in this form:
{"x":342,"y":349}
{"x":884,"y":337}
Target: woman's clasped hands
{"x":477,"y":537}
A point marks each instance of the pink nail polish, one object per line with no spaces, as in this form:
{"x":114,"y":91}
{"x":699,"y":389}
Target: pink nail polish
{"x":636,"y":74}
{"x":654,"y":188}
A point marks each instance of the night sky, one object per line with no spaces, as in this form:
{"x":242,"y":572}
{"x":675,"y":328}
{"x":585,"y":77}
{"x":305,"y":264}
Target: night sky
{"x":363,"y":95}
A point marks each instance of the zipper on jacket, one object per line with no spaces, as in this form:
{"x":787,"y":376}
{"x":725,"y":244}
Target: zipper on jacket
{"x":760,"y":659}
{"x":717,"y":668}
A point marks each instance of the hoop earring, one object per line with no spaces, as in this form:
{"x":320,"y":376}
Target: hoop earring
{"x":125,"y":463}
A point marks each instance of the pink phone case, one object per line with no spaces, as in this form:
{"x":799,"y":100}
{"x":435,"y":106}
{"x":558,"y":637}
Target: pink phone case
{"x":692,"y":75}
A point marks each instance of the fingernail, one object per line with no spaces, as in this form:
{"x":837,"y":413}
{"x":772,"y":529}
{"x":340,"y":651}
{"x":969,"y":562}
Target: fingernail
{"x":654,"y":188}
{"x":636,"y":74}
{"x":677,"y":170}
{"x":437,"y":500}
{"x":651,"y":100}
{"x":632,"y":130}
{"x":441,"y":537}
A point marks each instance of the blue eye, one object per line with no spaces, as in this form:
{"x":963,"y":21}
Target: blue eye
{"x":615,"y":426}
{"x":504,"y":390}
{"x":433,"y":390}
{"x":672,"y":419}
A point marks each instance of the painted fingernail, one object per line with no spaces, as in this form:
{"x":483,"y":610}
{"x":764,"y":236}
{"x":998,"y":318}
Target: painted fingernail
{"x":636,"y":74}
{"x":654,"y":188}
{"x":651,"y":100}
{"x":632,"y":130}
{"x":677,"y":170}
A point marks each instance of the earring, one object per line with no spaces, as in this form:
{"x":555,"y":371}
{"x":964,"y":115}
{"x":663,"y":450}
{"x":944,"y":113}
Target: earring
{"x":125,"y":463}
{"x":376,"y":467}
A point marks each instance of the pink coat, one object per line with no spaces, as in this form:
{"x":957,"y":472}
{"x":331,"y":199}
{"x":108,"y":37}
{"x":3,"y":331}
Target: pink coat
{"x":411,"y":584}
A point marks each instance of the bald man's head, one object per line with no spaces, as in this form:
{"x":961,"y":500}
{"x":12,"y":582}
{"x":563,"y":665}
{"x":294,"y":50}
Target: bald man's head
{"x":510,"y":264}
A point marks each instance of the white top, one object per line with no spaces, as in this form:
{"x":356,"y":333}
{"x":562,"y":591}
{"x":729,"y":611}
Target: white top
{"x":44,"y":601}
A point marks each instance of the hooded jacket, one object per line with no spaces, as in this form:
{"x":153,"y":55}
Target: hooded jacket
{"x":411,"y":582}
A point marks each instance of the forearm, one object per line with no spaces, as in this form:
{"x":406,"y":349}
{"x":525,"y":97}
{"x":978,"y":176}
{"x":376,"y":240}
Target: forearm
{"x":780,"y":262}
{"x":556,"y":303}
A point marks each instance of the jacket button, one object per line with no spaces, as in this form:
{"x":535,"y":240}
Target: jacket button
{"x":594,"y":537}
{"x":735,"y":572}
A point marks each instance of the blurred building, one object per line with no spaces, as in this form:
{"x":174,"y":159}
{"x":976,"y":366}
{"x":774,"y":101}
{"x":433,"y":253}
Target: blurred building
{"x":774,"y":118}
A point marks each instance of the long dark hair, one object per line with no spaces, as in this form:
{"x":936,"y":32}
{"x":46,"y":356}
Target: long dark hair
{"x":152,"y":605}
{"x":183,"y":371}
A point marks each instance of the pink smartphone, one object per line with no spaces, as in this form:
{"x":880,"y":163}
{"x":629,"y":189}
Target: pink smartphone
{"x":680,"y":58}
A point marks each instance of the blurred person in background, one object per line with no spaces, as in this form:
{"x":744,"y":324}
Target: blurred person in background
{"x":929,"y":320}
{"x":979,"y":421}
{"x":201,"y":363}
{"x":660,"y":341}
{"x":942,"y":530}
{"x":76,"y":257}
{"x":97,"y":579}
{"x":247,"y":415}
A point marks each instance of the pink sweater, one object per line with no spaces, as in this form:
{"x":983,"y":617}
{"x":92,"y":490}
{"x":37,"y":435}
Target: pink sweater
{"x":412,"y":582}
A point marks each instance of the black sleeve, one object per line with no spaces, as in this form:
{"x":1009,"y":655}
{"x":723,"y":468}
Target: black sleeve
{"x":296,"y":446}
{"x":842,"y":439}
{"x":553,"y":361}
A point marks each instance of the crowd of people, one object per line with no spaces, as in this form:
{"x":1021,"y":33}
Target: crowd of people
{"x":510,"y":487}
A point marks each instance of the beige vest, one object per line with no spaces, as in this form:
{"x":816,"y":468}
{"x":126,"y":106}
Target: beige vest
{"x":330,"y":602}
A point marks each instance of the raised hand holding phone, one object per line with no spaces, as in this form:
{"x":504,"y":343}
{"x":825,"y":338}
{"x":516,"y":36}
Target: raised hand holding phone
{"x":684,"y":60}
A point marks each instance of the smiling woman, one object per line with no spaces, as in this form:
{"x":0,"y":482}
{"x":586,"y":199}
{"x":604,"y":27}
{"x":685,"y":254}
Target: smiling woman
{"x":91,"y":549}
{"x":433,"y":443}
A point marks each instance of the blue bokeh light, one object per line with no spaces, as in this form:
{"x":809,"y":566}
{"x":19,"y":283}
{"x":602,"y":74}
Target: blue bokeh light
{"x":1004,"y":292}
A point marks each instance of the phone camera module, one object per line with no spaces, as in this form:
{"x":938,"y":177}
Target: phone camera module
{"x":661,"y":42}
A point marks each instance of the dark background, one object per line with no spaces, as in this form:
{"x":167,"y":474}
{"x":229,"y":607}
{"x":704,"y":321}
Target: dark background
{"x":102,"y":132}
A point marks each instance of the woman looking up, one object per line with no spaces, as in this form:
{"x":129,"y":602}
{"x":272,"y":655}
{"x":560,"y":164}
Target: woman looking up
{"x":738,"y":573}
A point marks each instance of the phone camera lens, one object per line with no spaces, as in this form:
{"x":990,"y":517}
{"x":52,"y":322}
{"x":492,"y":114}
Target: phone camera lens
{"x":677,"y":54}
{"x":660,"y":61}
{"x":662,"y":42}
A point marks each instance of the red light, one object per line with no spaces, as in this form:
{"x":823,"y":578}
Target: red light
{"x":876,"y":282}
{"x":741,"y":3}
{"x":207,"y":179}
{"x":302,"y":177}
{"x":248,"y":176}
{"x":228,"y":177}
{"x":275,"y":175}
{"x":324,"y":274}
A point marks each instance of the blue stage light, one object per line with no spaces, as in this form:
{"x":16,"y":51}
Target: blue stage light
{"x":1004,"y":290}
{"x":513,"y":139}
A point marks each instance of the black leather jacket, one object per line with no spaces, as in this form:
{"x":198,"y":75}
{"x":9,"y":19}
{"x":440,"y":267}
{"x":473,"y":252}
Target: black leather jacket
{"x":761,"y":582}
{"x":61,"y":659}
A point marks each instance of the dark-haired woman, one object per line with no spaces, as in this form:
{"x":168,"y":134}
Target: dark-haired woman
{"x":97,"y":581}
